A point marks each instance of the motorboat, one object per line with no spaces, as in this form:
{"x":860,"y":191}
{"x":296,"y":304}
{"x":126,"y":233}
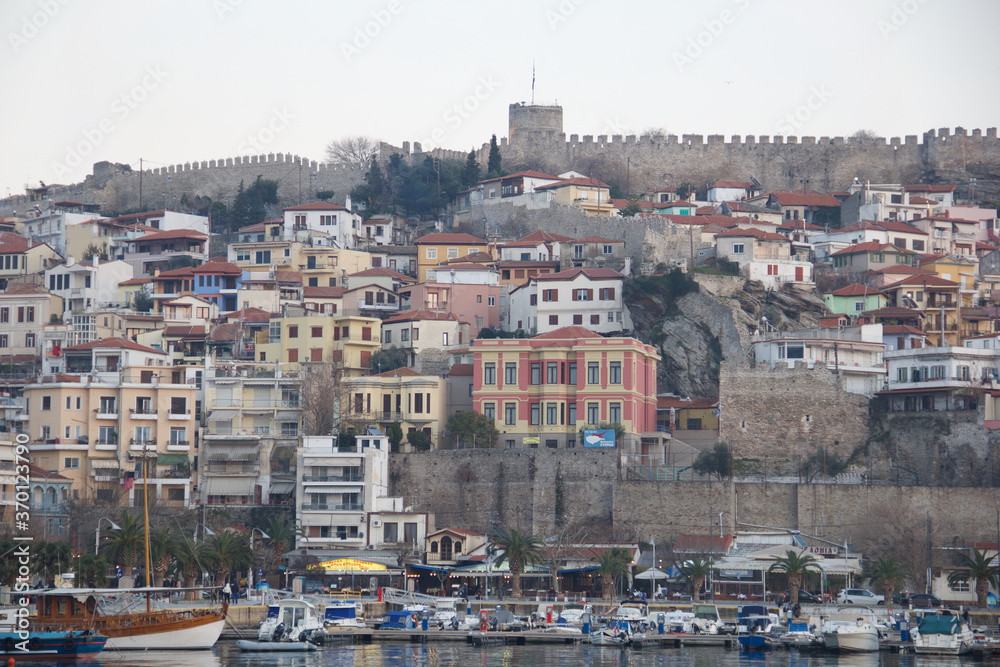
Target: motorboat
{"x":276,"y":647}
{"x":707,"y":620}
{"x":803,"y":636}
{"x":754,"y":625}
{"x":290,"y":621}
{"x":18,"y":641}
{"x":618,"y":633}
{"x":397,"y":620}
{"x":943,"y":633}
{"x":573,"y":613}
{"x":851,"y":629}
{"x":344,"y":616}
{"x":132,"y":619}
{"x":447,"y":616}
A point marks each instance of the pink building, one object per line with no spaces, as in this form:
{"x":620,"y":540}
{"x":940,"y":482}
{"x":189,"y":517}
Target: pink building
{"x":471,"y":293}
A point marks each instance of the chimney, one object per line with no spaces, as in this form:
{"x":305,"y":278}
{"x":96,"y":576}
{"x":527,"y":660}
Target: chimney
{"x":347,"y":202}
{"x":156,"y":272}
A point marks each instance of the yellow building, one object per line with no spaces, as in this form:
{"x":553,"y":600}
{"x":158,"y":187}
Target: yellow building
{"x":961,"y":270}
{"x":321,"y":338}
{"x":417,"y":402}
{"x":117,"y":403}
{"x":320,"y":265}
{"x":590,"y":194}
{"x":434,"y":249}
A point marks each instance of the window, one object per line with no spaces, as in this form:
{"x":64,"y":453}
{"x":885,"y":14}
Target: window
{"x":431,"y":253}
{"x":552,"y":413}
{"x":293,"y":331}
{"x":859,"y":306}
{"x":533,"y":300}
{"x":71,"y":462}
{"x":106,"y":435}
{"x":490,"y":410}
{"x":572,"y":373}
{"x":79,"y":403}
{"x":4,"y":314}
{"x":293,"y":356}
{"x":444,"y":339}
{"x":554,"y":320}
{"x":492,"y":301}
{"x":553,"y":372}
{"x":606,"y":294}
{"x":615,"y":413}
{"x":791,"y":351}
{"x":452,"y":253}
{"x":404,"y":335}
{"x":611,"y":316}
{"x":479,"y":298}
{"x":535,"y":414}
{"x":583,"y":295}
{"x":536,"y":373}
{"x":46,"y":402}
{"x":510,"y":373}
{"x":578,"y":319}
{"x":510,"y":414}
{"x":178,"y":435}
{"x":316,"y":354}
{"x":595,"y":319}
{"x":593,"y":413}
{"x":4,"y":340}
{"x":550,"y":295}
{"x":489,"y":373}
{"x":607,"y":250}
{"x":263,"y":257}
{"x":388,"y":336}
{"x":571,"y":416}
{"x":615,"y":373}
{"x":738,"y":248}
{"x":390,"y":533}
{"x":69,"y":402}
{"x":30,"y":310}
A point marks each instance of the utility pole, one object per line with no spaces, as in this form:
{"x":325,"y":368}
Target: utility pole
{"x":711,"y":551}
{"x":140,"y":184}
{"x":927,"y":587}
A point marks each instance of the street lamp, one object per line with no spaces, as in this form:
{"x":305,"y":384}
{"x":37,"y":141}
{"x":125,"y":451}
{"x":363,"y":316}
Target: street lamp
{"x":264,"y":536}
{"x":207,"y":531}
{"x":97,"y":535}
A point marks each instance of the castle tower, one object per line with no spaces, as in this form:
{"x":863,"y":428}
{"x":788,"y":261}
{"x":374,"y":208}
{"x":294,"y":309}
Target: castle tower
{"x":529,"y":118}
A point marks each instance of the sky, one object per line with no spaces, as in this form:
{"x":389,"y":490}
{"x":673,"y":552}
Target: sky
{"x":173,"y":81}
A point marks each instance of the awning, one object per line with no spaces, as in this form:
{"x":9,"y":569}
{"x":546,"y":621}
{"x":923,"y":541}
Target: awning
{"x":283,"y":452}
{"x":229,"y":486}
{"x":103,"y":463}
{"x":281,"y":488}
{"x":234,"y":453}
{"x":504,"y":568}
{"x":431,"y":568}
{"x":165,"y":459}
{"x":221,"y":415}
{"x":287,"y":416}
{"x":349,"y":565}
{"x":571,"y":570}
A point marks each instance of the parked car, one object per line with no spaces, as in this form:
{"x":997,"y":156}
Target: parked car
{"x":859,"y":596}
{"x":805,"y":597}
{"x":923,"y":600}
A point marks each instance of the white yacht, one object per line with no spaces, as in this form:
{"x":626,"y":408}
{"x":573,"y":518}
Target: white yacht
{"x":943,"y":634}
{"x":851,"y":629}
{"x":290,"y":621}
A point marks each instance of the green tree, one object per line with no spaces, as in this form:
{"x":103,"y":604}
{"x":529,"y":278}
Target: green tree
{"x":92,"y":570}
{"x":94,"y":250}
{"x":714,"y":461}
{"x":161,"y":546}
{"x":976,"y":568}
{"x":51,"y":558}
{"x":394,"y":432}
{"x":126,"y":545}
{"x":282,"y":533}
{"x":493,"y":166}
{"x":612,"y":565}
{"x":470,"y":427}
{"x":325,"y":195}
{"x":889,"y":573}
{"x":519,"y":549}
{"x":388,"y":359}
{"x":227,"y":551}
{"x":630,"y":209}
{"x":190,"y":559}
{"x":252,"y":205}
{"x":684,"y":190}
{"x":470,"y":172}
{"x":419,"y":440}
{"x":696,"y":571}
{"x":142,"y":302}
{"x":795,"y":565}
{"x":822,"y":462}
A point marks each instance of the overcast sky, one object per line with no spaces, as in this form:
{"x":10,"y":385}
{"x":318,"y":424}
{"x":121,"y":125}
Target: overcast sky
{"x":186,"y":80}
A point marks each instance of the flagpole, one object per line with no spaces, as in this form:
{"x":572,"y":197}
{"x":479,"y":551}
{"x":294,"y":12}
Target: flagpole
{"x":532,"y":82}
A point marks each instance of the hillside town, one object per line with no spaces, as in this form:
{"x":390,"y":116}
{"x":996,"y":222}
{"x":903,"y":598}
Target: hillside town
{"x":316,"y":372}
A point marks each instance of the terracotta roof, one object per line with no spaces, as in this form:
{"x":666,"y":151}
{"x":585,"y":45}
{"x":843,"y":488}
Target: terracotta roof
{"x":856,"y":289}
{"x":172,"y":234}
{"x":323,"y":292}
{"x":23,"y":289}
{"x":677,"y":203}
{"x":923,"y":279}
{"x":461,"y":369}
{"x":567,"y":332}
{"x":444,"y":239}
{"x":38,"y":472}
{"x":213,"y":267}
{"x":676,"y":402}
{"x":922,"y":187}
{"x":804,"y":199}
{"x":584,"y":182}
{"x":120,"y":343}
{"x":795,"y":225}
{"x":641,"y":203}
{"x":225,"y":332}
{"x":317,"y":206}
{"x":412,"y":315}
{"x":288,"y":277}
{"x":258,"y":227}
{"x":250,"y":315}
{"x":183,"y":272}
{"x":383,"y":272}
{"x":472,"y":257}
{"x":917,"y":199}
{"x":758,"y":234}
{"x":179,"y":331}
{"x":570,"y":274}
{"x":139,"y":216}
{"x":746,"y":207}
{"x":705,"y":210}
{"x":397,"y":372}
{"x":598,"y":239}
{"x":894,"y":311}
{"x":870,"y":246}
{"x":732,"y":184}
{"x":135,"y":281}
{"x":895,"y":329}
{"x":902,"y":268}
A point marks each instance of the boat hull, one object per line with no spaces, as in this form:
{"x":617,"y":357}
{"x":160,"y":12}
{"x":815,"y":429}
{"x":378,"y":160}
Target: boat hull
{"x":954,"y":647}
{"x":857,"y":642}
{"x":275,"y":647}
{"x":753,"y":642}
{"x":51,"y":644}
{"x":169,"y":637}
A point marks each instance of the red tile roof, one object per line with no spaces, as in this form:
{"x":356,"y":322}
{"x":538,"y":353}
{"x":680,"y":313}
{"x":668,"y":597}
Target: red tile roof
{"x":922,"y":187}
{"x":317,"y":206}
{"x":288,"y":277}
{"x":473,"y":257}
{"x":135,"y":281}
{"x":136,"y":217}
{"x":570,"y":274}
{"x":870,"y":246}
{"x":732,"y":184}
{"x":218,"y":267}
{"x":799,"y":225}
{"x":382,"y":272}
{"x":250,"y":315}
{"x":180,"y":331}
{"x":120,"y":343}
{"x":172,"y":234}
{"x":927,"y":279}
{"x":225,"y":332}
{"x":183,"y":272}
{"x":856,"y":289}
{"x":582,"y":182}
{"x":804,"y":199}
{"x":902,"y":268}
{"x":438,"y":238}
{"x":567,"y":333}
{"x":641,"y":203}
{"x":895,"y":311}
{"x":916,"y":199}
{"x":323,"y":292}
{"x":758,"y":234}
{"x":461,"y":370}
{"x":414,"y":315}
{"x":896,"y":329}
{"x":677,"y":203}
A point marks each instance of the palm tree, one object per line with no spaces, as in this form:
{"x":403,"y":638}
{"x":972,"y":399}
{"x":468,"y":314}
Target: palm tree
{"x":976,"y":567}
{"x":282,"y":532}
{"x":228,"y":550}
{"x":161,"y":544}
{"x":795,"y":565}
{"x":519,"y":549}
{"x":889,"y":573}
{"x":51,"y":558}
{"x":696,"y":571}
{"x":190,"y":559}
{"x":8,"y":563}
{"x":93,"y":570}
{"x":612,"y":564}
{"x":127,"y":544}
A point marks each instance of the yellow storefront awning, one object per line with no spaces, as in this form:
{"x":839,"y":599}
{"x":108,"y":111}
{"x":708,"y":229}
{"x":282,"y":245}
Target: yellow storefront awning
{"x":349,"y":565}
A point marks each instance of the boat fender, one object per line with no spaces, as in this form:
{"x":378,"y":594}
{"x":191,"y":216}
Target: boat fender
{"x":34,"y":644}
{"x":68,"y":643}
{"x":8,"y":644}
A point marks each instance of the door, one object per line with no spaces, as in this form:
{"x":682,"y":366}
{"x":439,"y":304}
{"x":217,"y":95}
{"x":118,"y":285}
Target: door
{"x":799,"y":274}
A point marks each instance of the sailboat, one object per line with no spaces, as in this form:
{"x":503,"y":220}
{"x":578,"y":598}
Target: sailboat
{"x":126,"y":615}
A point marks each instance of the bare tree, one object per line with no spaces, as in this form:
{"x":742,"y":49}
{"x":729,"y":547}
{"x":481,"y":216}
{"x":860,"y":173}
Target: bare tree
{"x":323,"y":397}
{"x":352,"y":151}
{"x":563,"y":545}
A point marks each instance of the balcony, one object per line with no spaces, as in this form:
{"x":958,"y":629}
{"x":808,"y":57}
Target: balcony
{"x":106,"y":445}
{"x":344,"y":507}
{"x":106,"y":412}
{"x":143,"y":413}
{"x":179,"y":416}
{"x":250,"y":433}
{"x":142,"y":445}
{"x":349,"y":477}
{"x":245,"y":468}
{"x":178,"y":446}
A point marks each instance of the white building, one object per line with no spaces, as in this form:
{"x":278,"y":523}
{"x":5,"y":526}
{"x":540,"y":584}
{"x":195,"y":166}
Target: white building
{"x":764,"y":256}
{"x":50,"y":228}
{"x":732,"y":191}
{"x":166,"y":221}
{"x":575,"y":297}
{"x":88,"y":286}
{"x":941,"y":378}
{"x":900,"y":234}
{"x":341,"y":223}
{"x":427,"y":336}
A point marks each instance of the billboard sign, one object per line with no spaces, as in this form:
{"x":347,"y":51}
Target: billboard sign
{"x":599,"y":438}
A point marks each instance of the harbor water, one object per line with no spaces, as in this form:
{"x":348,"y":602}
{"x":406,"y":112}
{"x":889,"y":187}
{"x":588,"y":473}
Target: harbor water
{"x":434,"y":654}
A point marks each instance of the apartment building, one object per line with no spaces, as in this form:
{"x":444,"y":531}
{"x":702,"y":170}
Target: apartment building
{"x":417,"y":402}
{"x":88,"y":286}
{"x":434,"y":249}
{"x":576,"y":297}
{"x":317,"y":337}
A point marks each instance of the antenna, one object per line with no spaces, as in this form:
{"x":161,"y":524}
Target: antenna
{"x":532,"y":82}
